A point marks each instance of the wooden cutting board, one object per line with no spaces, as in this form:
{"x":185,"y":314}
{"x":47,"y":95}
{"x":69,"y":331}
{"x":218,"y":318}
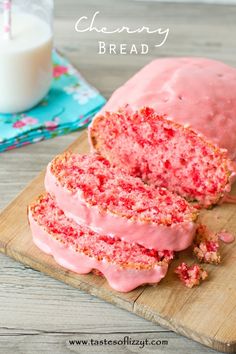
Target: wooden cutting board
{"x":206,"y":314}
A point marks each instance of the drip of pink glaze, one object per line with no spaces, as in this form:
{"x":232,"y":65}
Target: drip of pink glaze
{"x":226,"y":237}
{"x":227,"y":199}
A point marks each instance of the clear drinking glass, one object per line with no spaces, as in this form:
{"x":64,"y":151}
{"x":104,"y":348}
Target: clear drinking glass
{"x":25,"y":53}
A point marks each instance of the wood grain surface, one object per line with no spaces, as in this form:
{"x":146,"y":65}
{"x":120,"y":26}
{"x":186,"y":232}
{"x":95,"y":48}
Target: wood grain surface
{"x":206,"y":313}
{"x":37,"y":313}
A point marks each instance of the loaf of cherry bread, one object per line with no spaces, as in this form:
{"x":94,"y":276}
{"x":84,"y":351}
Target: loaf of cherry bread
{"x":200,"y":92}
{"x":90,"y":191}
{"x":163,"y":154}
{"x":81,"y":250}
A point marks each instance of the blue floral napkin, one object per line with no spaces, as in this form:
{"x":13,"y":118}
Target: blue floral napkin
{"x":70,"y":104}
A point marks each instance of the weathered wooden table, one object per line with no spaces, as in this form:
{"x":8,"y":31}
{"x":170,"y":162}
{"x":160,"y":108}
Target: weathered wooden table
{"x":37,"y":313}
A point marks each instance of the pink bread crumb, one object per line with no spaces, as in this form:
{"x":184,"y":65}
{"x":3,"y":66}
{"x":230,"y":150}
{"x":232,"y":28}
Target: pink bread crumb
{"x":206,"y":246}
{"x":190,"y":275}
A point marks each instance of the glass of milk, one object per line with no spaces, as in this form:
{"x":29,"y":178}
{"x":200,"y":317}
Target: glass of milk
{"x":26,"y":54}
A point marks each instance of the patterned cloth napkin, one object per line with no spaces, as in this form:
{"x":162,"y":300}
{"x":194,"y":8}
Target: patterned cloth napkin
{"x":70,"y":104}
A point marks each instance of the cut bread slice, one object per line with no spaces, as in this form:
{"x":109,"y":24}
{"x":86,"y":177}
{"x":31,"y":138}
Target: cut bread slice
{"x":109,"y":201}
{"x":163,"y":153}
{"x":77,"y":248}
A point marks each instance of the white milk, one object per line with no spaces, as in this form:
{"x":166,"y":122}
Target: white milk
{"x":25,"y":63}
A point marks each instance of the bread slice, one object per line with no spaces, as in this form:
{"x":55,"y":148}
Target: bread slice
{"x":109,"y":201}
{"x":77,"y":248}
{"x":163,"y":153}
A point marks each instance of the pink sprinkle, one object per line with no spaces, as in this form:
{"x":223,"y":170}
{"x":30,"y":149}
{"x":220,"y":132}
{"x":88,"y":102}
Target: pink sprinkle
{"x":226,"y":237}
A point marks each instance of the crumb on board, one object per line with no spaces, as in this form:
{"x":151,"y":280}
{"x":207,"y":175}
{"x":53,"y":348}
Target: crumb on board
{"x":191,"y":275}
{"x":206,"y":245}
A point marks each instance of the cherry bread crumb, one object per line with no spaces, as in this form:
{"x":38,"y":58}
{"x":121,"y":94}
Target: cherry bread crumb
{"x":190,"y":275}
{"x":163,"y":153}
{"x":206,"y":245}
{"x":106,"y":198}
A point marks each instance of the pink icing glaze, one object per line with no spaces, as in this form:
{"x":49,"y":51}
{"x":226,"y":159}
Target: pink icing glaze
{"x":175,"y":237}
{"x":120,"y":279}
{"x":197,"y":92}
{"x":227,"y":198}
{"x":226,"y":237}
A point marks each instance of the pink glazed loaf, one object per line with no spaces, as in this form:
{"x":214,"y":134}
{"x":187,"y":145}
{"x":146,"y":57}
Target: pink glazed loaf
{"x":199,"y":92}
{"x":111,"y":202}
{"x":81,"y":250}
{"x":163,"y":154}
